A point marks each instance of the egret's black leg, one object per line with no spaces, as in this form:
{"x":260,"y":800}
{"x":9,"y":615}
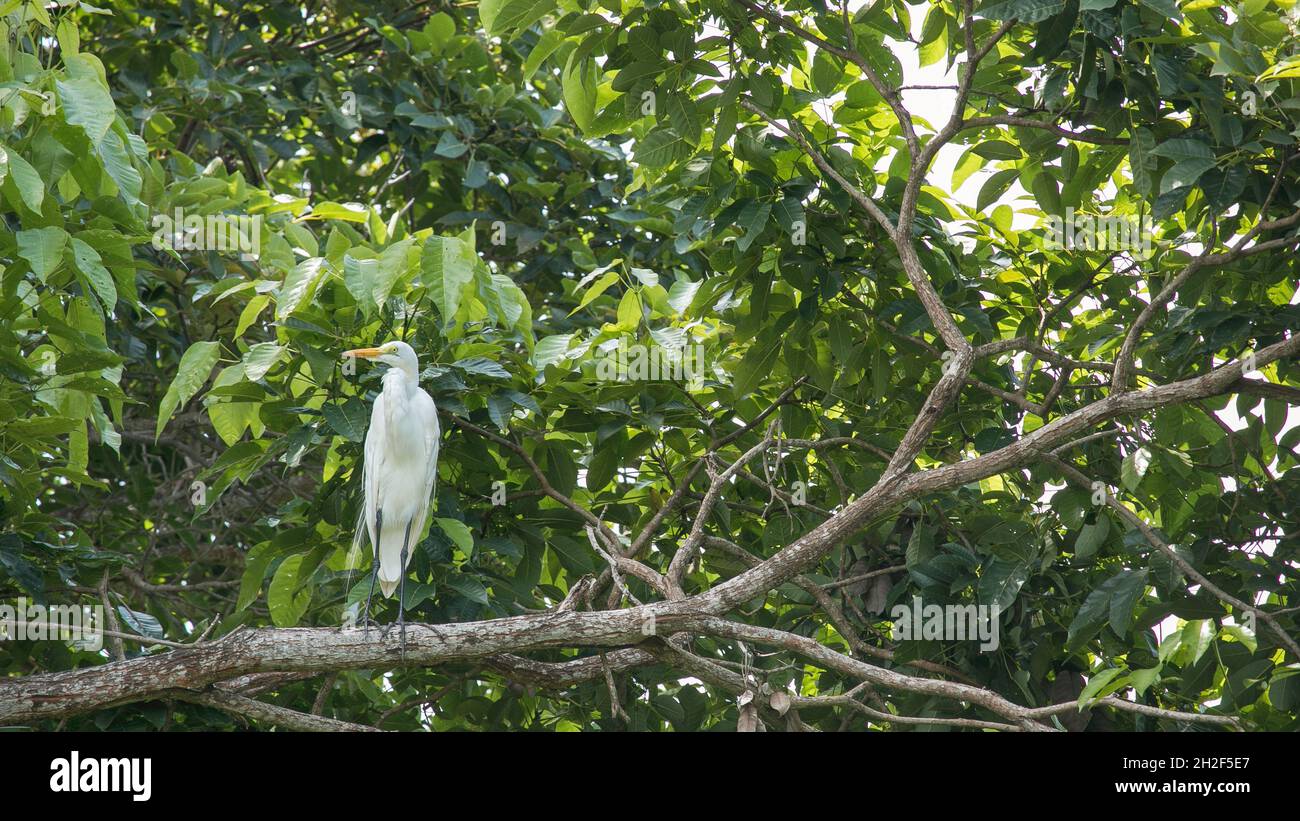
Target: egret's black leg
{"x":374,"y":567}
{"x":401,"y":589}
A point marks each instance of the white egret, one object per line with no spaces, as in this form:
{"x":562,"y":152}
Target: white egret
{"x":400,"y":468}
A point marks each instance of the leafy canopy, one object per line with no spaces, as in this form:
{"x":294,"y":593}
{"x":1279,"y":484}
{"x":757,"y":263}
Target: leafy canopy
{"x":523,"y":188}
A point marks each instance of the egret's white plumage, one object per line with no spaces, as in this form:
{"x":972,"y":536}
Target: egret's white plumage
{"x":400,"y":464}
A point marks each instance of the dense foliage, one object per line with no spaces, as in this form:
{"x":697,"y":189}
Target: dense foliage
{"x":523,"y":188}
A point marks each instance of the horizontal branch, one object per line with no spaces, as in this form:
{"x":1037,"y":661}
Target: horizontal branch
{"x":195,"y":668}
{"x":271,"y":713}
{"x":1026,"y":122}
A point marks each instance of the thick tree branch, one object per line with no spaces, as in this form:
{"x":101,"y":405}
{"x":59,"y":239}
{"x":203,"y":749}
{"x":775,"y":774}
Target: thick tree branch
{"x":270,"y":713}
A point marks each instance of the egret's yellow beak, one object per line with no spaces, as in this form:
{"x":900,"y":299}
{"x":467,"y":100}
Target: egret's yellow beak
{"x":363,"y":353}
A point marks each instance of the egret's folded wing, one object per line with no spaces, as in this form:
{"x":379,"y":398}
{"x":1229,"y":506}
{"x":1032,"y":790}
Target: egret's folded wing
{"x":372,"y":469}
{"x":428,"y":413}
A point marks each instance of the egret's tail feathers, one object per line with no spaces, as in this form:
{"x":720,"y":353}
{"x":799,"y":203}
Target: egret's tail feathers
{"x":390,"y":557}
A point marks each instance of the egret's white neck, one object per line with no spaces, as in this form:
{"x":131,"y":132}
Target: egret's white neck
{"x":399,"y":376}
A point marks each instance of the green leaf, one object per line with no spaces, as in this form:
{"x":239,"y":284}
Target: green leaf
{"x":286,"y":597}
{"x":499,"y":406}
{"x":1134,"y":468}
{"x":260,"y":359}
{"x":755,"y":366}
{"x":660,"y":148}
{"x":629,"y":310}
{"x":447,"y":269}
{"x":545,"y":47}
{"x":683,"y":116}
{"x":117,"y":162}
{"x":250,"y":313}
{"x":90,"y":265}
{"x":192,"y":372}
{"x":143,"y":624}
{"x":395,"y":263}
{"x":360,"y":270}
{"x":1168,"y":8}
{"x":299,"y":286}
{"x":862,"y":94}
{"x":348,"y":212}
{"x":752,"y":220}
{"x":88,"y":359}
{"x":1222,"y":187}
{"x":1143,"y":678}
{"x":1184,"y":148}
{"x":417,"y":593}
{"x":1089,"y":617}
{"x":476,"y":174}
{"x":1047,"y":192}
{"x":482,"y":366}
{"x":25,"y":179}
{"x":1127,"y":590}
{"x":1026,"y":11}
{"x":231,"y":419}
{"x":1185,"y":172}
{"x":997,"y":150}
{"x":440,"y":28}
{"x":934,"y":36}
{"x":597,"y":288}
{"x":1168,"y":203}
{"x":255,"y":563}
{"x":578,"y":82}
{"x":43,"y":249}
{"x":468,"y":587}
{"x":23,"y":572}
{"x":87,"y":104}
{"x":348,"y":420}
{"x":1091,"y":537}
{"x":826,"y":73}
{"x":450,"y":146}
{"x":788,"y":212}
{"x":725,"y":127}
{"x":459,"y":533}
{"x":1142,"y":160}
{"x":503,"y":18}
{"x":41,"y":427}
{"x":1284,"y":692}
{"x":1096,"y":683}
{"x":1114,"y":599}
{"x":603,"y":466}
{"x":630,"y":75}
{"x":1001,"y":581}
{"x":682,"y":294}
{"x":994,"y":187}
{"x":551,"y":349}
